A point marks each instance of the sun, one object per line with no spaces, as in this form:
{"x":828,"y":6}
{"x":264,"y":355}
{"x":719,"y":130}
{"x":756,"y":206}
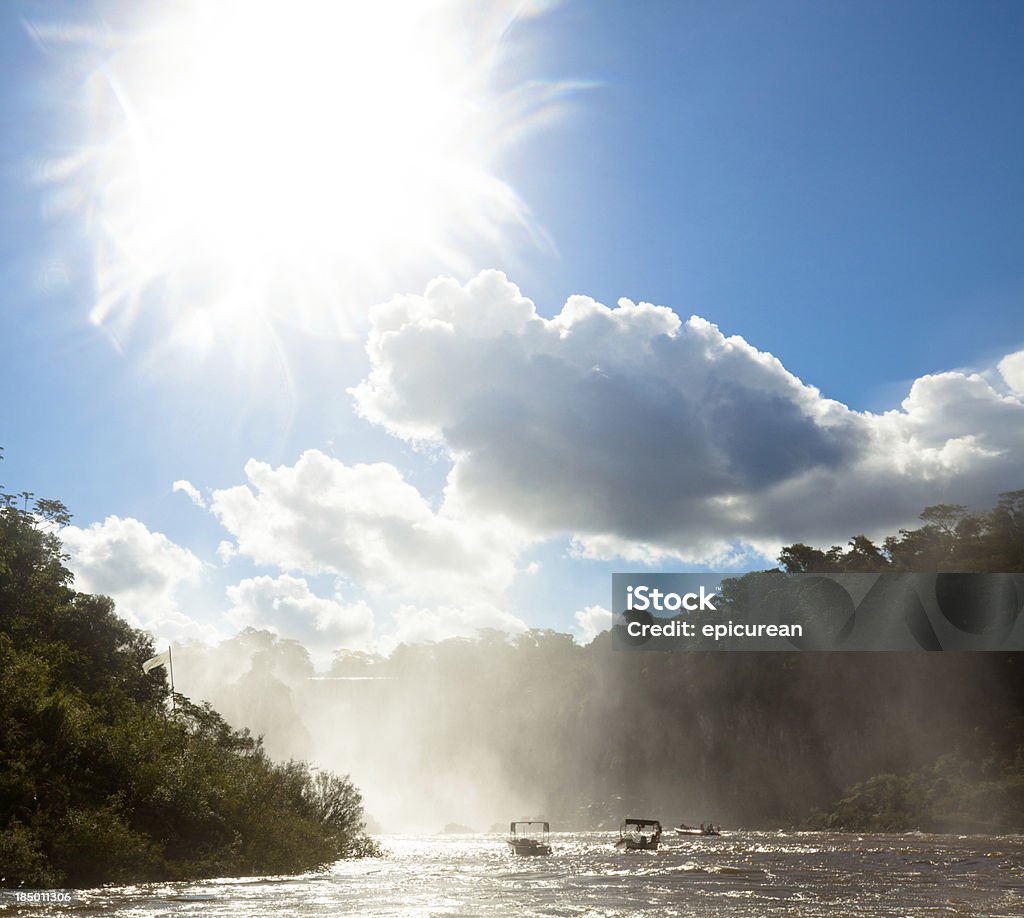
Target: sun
{"x":254,"y":162}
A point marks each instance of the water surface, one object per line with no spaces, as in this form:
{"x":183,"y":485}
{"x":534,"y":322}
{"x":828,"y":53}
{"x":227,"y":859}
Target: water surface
{"x":800,"y":874}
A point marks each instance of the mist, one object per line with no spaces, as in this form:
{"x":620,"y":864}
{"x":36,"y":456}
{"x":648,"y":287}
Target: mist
{"x":475,"y":733}
{"x":395,"y":725}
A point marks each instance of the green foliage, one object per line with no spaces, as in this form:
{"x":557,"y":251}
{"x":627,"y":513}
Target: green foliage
{"x":950,"y":795}
{"x":22,"y":862}
{"x":96,"y":844}
{"x":952,"y":539}
{"x":980,"y":786}
{"x":99,"y":782}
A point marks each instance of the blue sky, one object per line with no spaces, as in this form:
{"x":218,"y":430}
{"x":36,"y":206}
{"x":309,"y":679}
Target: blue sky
{"x":838,"y":184}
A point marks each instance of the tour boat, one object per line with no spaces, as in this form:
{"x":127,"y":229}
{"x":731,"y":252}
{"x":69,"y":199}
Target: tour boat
{"x":639,"y":835}
{"x":709,"y":829}
{"x":526,"y":837}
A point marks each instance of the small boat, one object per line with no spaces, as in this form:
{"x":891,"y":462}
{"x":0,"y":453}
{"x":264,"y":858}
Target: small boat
{"x":529,"y":838}
{"x":709,"y":829}
{"x":639,"y":835}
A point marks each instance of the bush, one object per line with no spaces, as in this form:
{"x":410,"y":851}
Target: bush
{"x":22,"y":863}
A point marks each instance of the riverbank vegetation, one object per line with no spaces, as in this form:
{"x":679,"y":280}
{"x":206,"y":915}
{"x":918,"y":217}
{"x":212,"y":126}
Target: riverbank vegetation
{"x":956,"y":793}
{"x":99,"y":781}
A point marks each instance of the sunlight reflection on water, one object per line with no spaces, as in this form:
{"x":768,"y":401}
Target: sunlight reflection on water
{"x":805,"y":875}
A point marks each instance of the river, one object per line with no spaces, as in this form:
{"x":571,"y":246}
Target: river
{"x":804,"y":874}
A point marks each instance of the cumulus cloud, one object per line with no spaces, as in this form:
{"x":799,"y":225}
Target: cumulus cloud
{"x":1012,"y":369}
{"x":286,"y":605}
{"x":367,"y":524}
{"x":591,"y":621}
{"x":142,"y":571}
{"x":645,"y":436}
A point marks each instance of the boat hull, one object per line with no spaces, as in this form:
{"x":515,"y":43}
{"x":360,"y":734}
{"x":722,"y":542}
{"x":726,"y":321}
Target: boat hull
{"x":529,"y":848}
{"x":632,"y":844}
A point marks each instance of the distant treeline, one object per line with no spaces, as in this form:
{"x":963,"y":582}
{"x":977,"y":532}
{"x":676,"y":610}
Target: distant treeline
{"x":952,"y":539}
{"x":99,"y":782}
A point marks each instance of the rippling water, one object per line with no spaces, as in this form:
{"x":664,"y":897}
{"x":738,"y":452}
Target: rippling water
{"x":741,"y":874}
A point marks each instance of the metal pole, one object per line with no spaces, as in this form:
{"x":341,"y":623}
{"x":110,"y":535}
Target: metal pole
{"x":170,"y":668}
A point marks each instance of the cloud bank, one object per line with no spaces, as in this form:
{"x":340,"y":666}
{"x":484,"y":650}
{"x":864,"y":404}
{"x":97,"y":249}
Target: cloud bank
{"x":645,"y":436}
{"x":628,"y":432}
{"x":366,"y":525}
{"x":285,"y":604}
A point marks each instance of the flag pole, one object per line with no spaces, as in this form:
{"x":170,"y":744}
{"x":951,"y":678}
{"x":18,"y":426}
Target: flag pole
{"x":170,"y":668}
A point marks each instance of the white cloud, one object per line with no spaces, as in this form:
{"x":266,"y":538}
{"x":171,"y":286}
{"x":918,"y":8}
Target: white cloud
{"x":142,"y":571}
{"x":413,"y":624}
{"x":367,"y":524}
{"x":226,"y":551}
{"x":287,"y":606}
{"x":1012,"y":369}
{"x":591,"y":621}
{"x":191,"y":491}
{"x":648,"y":437}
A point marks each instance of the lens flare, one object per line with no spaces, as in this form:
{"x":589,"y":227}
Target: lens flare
{"x":255,"y":163}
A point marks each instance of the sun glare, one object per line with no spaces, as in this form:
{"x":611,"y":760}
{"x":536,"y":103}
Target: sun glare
{"x":263,"y":161}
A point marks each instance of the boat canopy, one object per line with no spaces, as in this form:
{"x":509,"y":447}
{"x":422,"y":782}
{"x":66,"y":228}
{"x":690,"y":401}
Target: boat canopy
{"x":642,"y":822}
{"x":526,"y":824}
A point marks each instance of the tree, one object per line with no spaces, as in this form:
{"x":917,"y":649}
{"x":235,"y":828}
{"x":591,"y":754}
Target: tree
{"x":99,"y":781}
